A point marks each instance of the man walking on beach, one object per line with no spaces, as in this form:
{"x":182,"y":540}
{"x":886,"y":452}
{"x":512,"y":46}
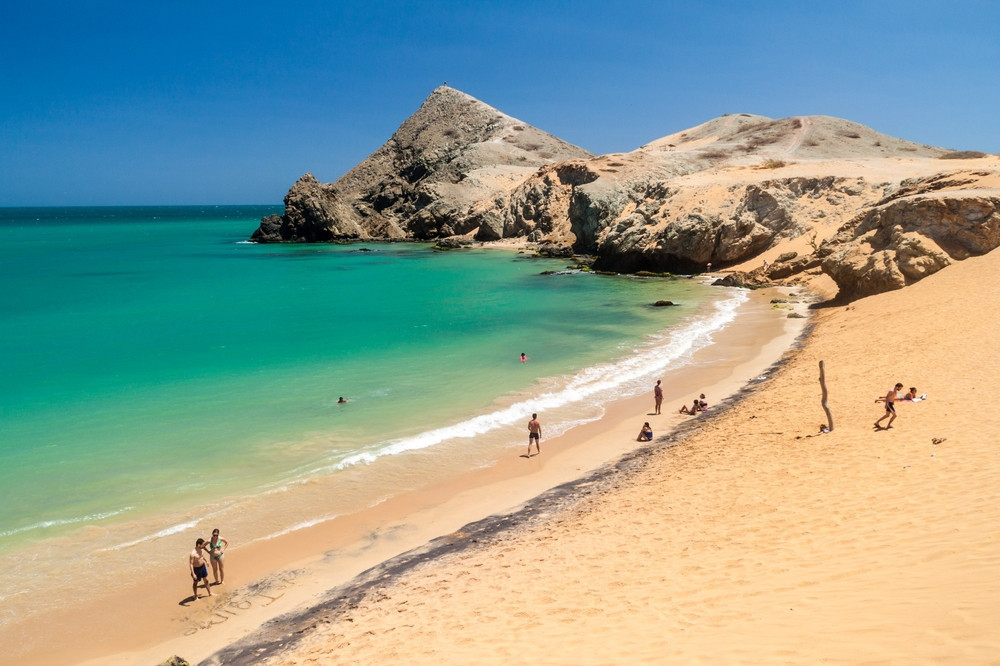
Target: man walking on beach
{"x":199,"y":567}
{"x":534,"y":433}
{"x":658,"y":396}
{"x":890,"y":407}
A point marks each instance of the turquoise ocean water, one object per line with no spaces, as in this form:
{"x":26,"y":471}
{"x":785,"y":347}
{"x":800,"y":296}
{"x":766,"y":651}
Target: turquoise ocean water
{"x":158,"y":371}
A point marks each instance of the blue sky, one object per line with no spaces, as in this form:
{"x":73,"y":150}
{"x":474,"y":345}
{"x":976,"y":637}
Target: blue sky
{"x":108,"y":103}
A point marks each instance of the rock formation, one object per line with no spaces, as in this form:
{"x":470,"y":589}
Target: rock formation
{"x":915,"y":232}
{"x":877,"y":212}
{"x":437,"y":176}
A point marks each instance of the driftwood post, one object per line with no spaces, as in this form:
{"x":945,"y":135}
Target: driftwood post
{"x":822,"y":385}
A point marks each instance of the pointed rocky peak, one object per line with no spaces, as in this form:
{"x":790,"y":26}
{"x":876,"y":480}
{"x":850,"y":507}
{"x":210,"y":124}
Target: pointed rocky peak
{"x":452,"y":124}
{"x":451,"y":135}
{"x":449,"y":117}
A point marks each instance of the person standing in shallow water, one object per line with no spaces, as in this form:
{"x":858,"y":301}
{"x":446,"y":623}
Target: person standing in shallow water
{"x":199,"y":567}
{"x":534,"y":433}
{"x":658,"y":396}
{"x":217,"y":548}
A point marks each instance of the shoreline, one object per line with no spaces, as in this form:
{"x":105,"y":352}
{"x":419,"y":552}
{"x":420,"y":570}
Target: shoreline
{"x":280,"y":634}
{"x":759,"y":540}
{"x":266,"y":581}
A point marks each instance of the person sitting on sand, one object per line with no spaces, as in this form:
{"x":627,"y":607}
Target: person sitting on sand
{"x":702,"y":403}
{"x":693,"y":409}
{"x":646,"y":434}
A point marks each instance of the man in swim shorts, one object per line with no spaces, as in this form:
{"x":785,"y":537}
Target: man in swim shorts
{"x":534,"y":433}
{"x":890,"y":407}
{"x":199,"y":567}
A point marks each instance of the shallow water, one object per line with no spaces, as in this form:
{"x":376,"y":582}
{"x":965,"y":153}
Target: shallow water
{"x":158,"y":368}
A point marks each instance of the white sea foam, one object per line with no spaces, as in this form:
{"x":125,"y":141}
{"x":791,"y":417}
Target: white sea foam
{"x":622,"y":378}
{"x":295,"y":528}
{"x":173,"y":529}
{"x":94,"y":517}
{"x":309,"y":523}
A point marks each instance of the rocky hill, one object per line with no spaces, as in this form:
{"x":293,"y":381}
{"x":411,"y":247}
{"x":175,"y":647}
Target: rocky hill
{"x":804,"y":196}
{"x":437,"y":176}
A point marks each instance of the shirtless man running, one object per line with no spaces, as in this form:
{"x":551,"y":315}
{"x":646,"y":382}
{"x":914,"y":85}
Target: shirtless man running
{"x":534,"y":433}
{"x":890,"y":408}
{"x":199,"y":567}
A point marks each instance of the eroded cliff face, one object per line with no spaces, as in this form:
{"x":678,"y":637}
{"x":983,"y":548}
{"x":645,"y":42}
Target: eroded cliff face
{"x":927,"y":225}
{"x":721,"y":193}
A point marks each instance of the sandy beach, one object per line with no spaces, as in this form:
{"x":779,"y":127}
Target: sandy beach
{"x":303,"y":279}
{"x":753,"y":538}
{"x":745,"y":536}
{"x":141,"y":620}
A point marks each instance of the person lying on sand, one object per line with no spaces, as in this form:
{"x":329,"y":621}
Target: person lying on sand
{"x":909,"y":396}
{"x":646,"y":434}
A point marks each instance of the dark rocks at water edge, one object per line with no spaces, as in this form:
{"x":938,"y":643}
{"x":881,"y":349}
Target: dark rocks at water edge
{"x":719,"y":194}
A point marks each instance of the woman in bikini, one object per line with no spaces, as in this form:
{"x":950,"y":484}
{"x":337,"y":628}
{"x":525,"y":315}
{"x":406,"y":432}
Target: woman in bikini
{"x":217,"y":548}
